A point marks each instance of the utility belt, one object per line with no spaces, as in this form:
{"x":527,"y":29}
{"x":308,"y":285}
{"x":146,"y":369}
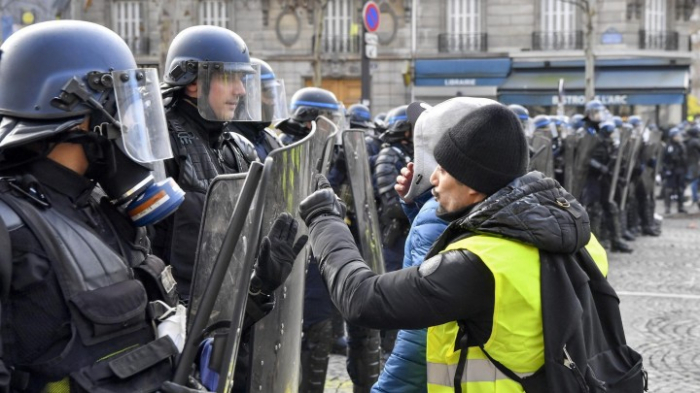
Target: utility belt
{"x":112,"y":345}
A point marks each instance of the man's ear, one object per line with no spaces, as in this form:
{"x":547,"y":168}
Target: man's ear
{"x":191,"y":89}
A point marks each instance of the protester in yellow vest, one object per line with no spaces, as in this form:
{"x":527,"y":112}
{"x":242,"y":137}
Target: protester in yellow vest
{"x":480,"y":284}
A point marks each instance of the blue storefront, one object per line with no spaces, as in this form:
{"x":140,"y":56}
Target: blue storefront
{"x":642,"y":85}
{"x":439,"y":79}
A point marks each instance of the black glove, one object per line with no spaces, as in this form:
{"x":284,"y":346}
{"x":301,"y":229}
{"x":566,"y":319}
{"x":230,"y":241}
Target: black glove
{"x":278,"y":252}
{"x":193,"y":386}
{"x":322,"y":202}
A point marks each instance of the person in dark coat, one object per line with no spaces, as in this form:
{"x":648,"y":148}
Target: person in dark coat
{"x":693,"y":155}
{"x":499,"y":214}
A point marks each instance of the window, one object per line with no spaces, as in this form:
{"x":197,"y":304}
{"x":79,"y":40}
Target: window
{"x":558,"y":25}
{"x":129,"y":25}
{"x":463,"y":26}
{"x":336,"y":28}
{"x":684,"y":9}
{"x":655,"y":16}
{"x":634,"y":9}
{"x":213,"y":12}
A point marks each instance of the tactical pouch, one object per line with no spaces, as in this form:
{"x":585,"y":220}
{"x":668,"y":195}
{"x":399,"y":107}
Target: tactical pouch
{"x":158,"y":280}
{"x":143,"y":369}
{"x":110,"y":311}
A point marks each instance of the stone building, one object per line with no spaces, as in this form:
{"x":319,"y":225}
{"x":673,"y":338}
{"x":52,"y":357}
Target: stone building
{"x":512,"y":50}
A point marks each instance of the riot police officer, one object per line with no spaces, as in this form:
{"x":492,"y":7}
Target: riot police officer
{"x":396,"y":153}
{"x":524,"y":117}
{"x":359,"y":117}
{"x":78,"y":279}
{"x":674,"y":170}
{"x":273,"y":108}
{"x":598,"y":180}
{"x":210,"y":87}
{"x":307,"y":104}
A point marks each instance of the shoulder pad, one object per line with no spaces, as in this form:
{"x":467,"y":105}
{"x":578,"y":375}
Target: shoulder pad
{"x":272,"y":137}
{"x":244,"y":145}
{"x":9,"y":217}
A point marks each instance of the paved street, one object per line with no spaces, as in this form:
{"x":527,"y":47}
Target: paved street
{"x":659,"y":288}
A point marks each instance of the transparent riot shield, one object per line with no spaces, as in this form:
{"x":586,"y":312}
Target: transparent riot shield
{"x":623,"y":149}
{"x":650,"y":156}
{"x":287,"y":179}
{"x":542,"y":159}
{"x":363,"y":199}
{"x":631,"y":161}
{"x":324,"y":151}
{"x":222,"y":272}
{"x":569,"y":153}
{"x":582,"y":160}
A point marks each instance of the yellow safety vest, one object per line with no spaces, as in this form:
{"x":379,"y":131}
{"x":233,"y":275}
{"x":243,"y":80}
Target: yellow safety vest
{"x":516,"y":339}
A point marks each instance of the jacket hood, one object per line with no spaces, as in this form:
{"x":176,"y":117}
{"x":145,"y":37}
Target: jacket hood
{"x":535,"y":210}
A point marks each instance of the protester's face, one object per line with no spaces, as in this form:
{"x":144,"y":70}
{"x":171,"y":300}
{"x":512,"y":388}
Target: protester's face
{"x":451,"y":195}
{"x":225,"y":91}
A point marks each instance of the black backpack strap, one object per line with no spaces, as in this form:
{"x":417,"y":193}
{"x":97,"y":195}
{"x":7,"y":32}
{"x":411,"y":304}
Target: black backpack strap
{"x":461,"y":343}
{"x":5,"y":254}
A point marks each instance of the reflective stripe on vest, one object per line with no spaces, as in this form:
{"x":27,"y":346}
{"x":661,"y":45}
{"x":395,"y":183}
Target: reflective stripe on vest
{"x":516,"y":338}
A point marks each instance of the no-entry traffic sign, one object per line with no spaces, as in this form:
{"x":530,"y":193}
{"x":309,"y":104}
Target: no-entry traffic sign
{"x":370,"y":16}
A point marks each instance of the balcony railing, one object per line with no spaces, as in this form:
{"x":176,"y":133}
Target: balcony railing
{"x":339,"y":44}
{"x":557,"y":40}
{"x":460,"y":43}
{"x":663,"y":40}
{"x":138,"y":45}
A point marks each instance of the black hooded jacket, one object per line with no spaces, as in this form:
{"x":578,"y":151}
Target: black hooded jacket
{"x":455,"y":285}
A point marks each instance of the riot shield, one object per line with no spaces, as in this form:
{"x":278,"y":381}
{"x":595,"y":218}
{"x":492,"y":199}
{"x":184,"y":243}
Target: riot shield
{"x":542,"y":160}
{"x":585,"y":144}
{"x":323,"y":162}
{"x":651,"y":153}
{"x":623,"y":149}
{"x":631,"y":161}
{"x":363,"y":199}
{"x":221,"y":279}
{"x":288,"y":178}
{"x":569,"y":153}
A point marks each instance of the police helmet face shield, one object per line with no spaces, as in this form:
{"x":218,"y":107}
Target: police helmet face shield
{"x":144,"y":132}
{"x":274,"y":99}
{"x":229,"y":91}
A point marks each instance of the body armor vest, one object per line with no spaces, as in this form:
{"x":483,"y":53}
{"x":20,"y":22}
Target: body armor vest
{"x":106,"y":302}
{"x":198,"y":163}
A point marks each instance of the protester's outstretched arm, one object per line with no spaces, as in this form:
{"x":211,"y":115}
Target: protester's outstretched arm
{"x":410,"y":298}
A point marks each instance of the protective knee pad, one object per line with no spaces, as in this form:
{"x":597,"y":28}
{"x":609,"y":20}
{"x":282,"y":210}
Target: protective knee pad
{"x":315,"y":351}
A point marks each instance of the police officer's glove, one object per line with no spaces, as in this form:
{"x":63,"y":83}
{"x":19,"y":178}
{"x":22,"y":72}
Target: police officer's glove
{"x":323,"y":202}
{"x":193,"y":386}
{"x":278,"y":252}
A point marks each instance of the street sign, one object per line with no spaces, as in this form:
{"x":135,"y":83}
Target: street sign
{"x":370,"y":16}
{"x":371,"y":51}
{"x":371,"y":39}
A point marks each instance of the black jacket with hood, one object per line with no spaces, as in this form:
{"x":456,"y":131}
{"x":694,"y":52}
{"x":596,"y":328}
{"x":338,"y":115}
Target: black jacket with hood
{"x":455,"y":285}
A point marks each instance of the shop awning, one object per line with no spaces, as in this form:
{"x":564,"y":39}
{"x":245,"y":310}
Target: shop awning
{"x":461,"y":72}
{"x":659,"y":86}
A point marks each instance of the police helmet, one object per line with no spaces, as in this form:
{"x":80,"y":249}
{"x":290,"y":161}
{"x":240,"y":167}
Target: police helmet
{"x":55,"y":73}
{"x":595,"y":111}
{"x":309,"y":103}
{"x":618,"y":121}
{"x":634,"y":120}
{"x":524,"y":116}
{"x":214,"y":56}
{"x":273,"y":97}
{"x":607,"y":127}
{"x":693,"y":131}
{"x":542,"y":121}
{"x":576,"y":121}
{"x":359,"y":116}
{"x":397,"y":125}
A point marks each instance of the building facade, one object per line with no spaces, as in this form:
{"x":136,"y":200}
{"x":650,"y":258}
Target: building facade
{"x":511,"y":50}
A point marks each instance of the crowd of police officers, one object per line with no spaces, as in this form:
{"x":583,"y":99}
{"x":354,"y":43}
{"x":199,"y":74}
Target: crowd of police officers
{"x":104,"y":174}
